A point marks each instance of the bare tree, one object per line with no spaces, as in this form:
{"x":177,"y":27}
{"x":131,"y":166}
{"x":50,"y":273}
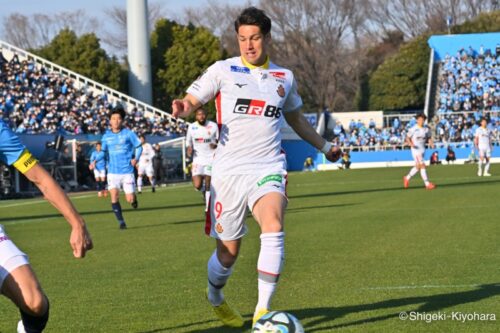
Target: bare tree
{"x":34,"y":31}
{"x":116,"y":38}
{"x":219,"y":19}
{"x":413,"y":17}
{"x":315,"y":39}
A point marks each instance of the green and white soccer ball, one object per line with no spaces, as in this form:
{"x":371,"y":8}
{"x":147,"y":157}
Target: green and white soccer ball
{"x":278,"y":322}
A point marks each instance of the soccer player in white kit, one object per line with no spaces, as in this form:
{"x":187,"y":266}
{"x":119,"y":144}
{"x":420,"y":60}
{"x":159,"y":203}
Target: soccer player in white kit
{"x":145,"y":165}
{"x":17,"y":279}
{"x":252,"y":95}
{"x":201,"y":141}
{"x":417,"y":137}
{"x":482,"y":141}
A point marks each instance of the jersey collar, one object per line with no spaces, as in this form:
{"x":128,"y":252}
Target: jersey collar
{"x":249,"y":65}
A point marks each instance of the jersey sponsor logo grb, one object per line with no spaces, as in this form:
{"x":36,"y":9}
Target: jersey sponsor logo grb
{"x":239,"y":69}
{"x":256,"y":107}
{"x":278,"y":75}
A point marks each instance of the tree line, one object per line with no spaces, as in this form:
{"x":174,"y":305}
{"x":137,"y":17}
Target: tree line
{"x":346,"y":54}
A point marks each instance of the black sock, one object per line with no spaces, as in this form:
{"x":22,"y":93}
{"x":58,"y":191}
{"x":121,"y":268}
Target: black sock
{"x":34,"y":324}
{"x":98,"y":186}
{"x":117,"y":209}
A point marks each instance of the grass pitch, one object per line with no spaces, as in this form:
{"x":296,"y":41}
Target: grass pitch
{"x":360,"y":250}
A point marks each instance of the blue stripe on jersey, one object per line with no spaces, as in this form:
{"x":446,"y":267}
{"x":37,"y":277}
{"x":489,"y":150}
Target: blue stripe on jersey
{"x":100,"y":159}
{"x":120,"y":149}
{"x":11,"y":147}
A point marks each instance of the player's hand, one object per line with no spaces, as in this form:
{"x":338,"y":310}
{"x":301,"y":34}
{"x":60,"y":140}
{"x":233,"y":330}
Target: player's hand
{"x":334,"y":154}
{"x":133,"y":162}
{"x":80,"y":241}
{"x":91,"y":167}
{"x":180,"y":107}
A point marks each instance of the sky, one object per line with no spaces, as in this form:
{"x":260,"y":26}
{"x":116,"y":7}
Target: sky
{"x":95,"y":8}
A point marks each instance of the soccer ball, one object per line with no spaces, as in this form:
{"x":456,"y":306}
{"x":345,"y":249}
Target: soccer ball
{"x":278,"y":322}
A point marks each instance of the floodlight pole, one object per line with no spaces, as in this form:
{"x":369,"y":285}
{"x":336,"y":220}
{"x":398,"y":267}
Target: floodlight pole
{"x":139,"y":55}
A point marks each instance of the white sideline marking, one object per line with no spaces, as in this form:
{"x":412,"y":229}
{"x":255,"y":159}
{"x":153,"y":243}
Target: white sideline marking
{"x":425,"y":286}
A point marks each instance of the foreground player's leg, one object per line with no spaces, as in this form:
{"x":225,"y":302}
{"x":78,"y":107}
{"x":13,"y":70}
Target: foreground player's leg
{"x":269,"y":213}
{"x":219,"y":270}
{"x":22,"y":287}
{"x":117,"y":208}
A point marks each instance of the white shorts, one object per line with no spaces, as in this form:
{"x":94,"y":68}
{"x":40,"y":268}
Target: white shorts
{"x":10,"y":256}
{"x":418,"y":156}
{"x":100,"y":173}
{"x":146,"y":169}
{"x":201,"y":170}
{"x":485,"y":152}
{"x":125,"y":181}
{"x":231,"y":196}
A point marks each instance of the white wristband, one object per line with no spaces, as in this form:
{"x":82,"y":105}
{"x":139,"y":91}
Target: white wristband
{"x":327,"y":147}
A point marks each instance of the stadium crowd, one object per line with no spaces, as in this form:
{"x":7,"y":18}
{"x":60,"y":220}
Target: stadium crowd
{"x":34,"y":100}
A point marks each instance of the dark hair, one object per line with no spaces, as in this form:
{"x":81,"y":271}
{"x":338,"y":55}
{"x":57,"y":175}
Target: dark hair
{"x":202,"y":110}
{"x":118,"y":109}
{"x":421,"y":115}
{"x":98,"y":143}
{"x":254,"y":16}
{"x":141,"y":136}
{"x":483,"y":118}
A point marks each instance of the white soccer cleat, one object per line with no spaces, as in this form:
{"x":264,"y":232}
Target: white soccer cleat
{"x":20,"y":327}
{"x":479,"y":173}
{"x":486,"y":174}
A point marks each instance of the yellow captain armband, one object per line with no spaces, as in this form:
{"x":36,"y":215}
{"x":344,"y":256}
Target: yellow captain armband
{"x":25,"y":162}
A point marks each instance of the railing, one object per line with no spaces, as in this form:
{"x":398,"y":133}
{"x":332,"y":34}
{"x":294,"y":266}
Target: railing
{"x":86,"y":81}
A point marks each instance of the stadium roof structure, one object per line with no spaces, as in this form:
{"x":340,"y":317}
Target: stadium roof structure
{"x":450,"y":44}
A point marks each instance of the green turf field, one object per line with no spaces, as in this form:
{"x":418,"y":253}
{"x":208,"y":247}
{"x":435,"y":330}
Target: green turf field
{"x":359,"y":251}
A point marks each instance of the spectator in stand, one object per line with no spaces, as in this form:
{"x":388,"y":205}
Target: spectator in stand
{"x":34,"y":99}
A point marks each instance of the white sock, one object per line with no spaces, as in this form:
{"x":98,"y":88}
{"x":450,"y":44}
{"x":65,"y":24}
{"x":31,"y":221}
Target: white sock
{"x":487,"y":167}
{"x":217,"y":278}
{"x":269,"y":266}
{"x":139,"y":183}
{"x":412,"y":173}
{"x":207,"y":200}
{"x":480,"y":166}
{"x":153,"y":182}
{"x":423,"y":174}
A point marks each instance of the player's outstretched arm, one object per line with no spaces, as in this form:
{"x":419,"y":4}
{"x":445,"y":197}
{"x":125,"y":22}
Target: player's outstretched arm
{"x":80,"y":239}
{"x":301,"y":126}
{"x":183,"y":107}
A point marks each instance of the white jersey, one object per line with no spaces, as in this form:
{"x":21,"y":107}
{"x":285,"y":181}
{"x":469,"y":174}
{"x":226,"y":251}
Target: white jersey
{"x":250,"y":104}
{"x":200,"y":138}
{"x":483,"y":136}
{"x":419,"y":137}
{"x":147,"y":155}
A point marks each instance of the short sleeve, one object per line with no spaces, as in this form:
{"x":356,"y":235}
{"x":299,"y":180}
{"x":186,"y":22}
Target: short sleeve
{"x":293,"y":100}
{"x":11,"y":147}
{"x":104,"y":144}
{"x":207,"y":86}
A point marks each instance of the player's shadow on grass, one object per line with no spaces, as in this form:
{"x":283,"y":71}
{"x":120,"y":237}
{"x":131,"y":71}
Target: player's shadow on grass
{"x":323,"y":318}
{"x":96,"y":212}
{"x":419,"y":304}
{"x":389,"y":189}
